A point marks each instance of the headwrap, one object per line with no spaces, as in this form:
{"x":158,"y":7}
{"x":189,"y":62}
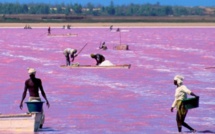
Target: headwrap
{"x":31,"y":71}
{"x":179,"y":79}
{"x":92,"y":55}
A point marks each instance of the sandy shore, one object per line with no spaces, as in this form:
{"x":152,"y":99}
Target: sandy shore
{"x":107,"y":24}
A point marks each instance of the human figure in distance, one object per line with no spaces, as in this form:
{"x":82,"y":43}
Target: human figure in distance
{"x":111,"y":27}
{"x":103,"y":46}
{"x":49,"y":30}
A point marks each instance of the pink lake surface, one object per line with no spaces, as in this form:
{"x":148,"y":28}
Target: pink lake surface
{"x":111,"y":101}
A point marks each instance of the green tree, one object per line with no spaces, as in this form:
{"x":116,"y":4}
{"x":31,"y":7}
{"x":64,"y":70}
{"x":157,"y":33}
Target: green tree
{"x":67,"y":10}
{"x":43,"y":9}
{"x":179,"y":11}
{"x":111,"y":9}
{"x":59,"y":9}
{"x":197,"y":11}
{"x":77,"y":8}
{"x":120,"y":10}
{"x":90,"y":6}
{"x":168,"y":10}
{"x":25,"y":8}
{"x":32,"y":9}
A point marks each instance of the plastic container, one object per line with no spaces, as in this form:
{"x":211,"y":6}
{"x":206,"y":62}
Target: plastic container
{"x":35,"y":106}
{"x":190,"y":103}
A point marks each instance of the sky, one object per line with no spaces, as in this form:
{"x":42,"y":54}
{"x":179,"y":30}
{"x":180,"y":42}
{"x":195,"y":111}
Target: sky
{"x":121,"y":2}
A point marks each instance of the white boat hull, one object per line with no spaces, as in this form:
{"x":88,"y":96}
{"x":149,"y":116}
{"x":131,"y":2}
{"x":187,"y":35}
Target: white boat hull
{"x":20,"y":122}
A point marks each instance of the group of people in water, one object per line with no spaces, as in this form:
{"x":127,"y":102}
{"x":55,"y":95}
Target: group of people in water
{"x":67,"y":27}
{"x":180,"y":92}
{"x":70,"y":55}
{"x":27,"y":27}
{"x":34,"y":85}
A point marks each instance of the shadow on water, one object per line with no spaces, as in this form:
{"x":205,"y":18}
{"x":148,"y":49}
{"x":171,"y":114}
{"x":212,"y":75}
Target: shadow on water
{"x":204,"y":132}
{"x":207,"y":131}
{"x":48,"y":129}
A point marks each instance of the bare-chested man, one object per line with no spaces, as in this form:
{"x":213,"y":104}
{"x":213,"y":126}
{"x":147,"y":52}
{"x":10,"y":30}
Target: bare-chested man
{"x":33,"y":85}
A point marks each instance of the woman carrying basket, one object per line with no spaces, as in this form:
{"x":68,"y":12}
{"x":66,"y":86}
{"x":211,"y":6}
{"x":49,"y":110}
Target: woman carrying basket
{"x":181,"y":94}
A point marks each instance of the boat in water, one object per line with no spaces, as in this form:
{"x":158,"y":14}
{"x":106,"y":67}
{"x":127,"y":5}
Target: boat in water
{"x":25,"y":122}
{"x":127,"y":66}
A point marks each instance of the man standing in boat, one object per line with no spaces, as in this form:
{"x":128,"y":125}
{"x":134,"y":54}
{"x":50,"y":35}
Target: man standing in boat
{"x":33,"y":85}
{"x":98,"y":57}
{"x":69,"y":52}
{"x":181,"y":94}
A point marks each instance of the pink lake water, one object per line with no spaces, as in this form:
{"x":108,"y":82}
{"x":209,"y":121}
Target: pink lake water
{"x":111,"y":101}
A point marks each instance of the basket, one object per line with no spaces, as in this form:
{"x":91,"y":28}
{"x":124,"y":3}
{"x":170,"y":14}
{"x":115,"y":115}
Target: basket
{"x":35,"y":106}
{"x":191,"y":103}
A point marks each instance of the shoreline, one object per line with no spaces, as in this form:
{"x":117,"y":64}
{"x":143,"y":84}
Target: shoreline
{"x":45,"y":25}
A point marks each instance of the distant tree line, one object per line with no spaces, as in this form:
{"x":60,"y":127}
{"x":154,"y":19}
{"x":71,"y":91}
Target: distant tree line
{"x":99,"y":10}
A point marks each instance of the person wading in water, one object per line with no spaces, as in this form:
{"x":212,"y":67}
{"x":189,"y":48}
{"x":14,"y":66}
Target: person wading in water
{"x":33,"y":85}
{"x":181,"y":94}
{"x":103,"y":46}
{"x":49,"y":30}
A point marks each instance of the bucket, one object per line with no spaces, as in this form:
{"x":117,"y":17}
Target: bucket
{"x":35,"y":106}
{"x":190,"y":103}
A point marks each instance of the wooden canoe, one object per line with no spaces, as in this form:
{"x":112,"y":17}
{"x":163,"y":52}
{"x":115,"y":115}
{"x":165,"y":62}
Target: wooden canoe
{"x":62,"y":35}
{"x":29,"y":122}
{"x":128,"y":66}
{"x":210,"y":68}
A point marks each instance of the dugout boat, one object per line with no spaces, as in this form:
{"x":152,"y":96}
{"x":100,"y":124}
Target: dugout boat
{"x":62,"y":35}
{"x":210,"y":68}
{"x":26,"y":122}
{"x":127,"y":66}
{"x":121,"y":47}
{"x":29,"y":122}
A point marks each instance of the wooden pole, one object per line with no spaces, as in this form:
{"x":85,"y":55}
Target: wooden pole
{"x":82,"y":48}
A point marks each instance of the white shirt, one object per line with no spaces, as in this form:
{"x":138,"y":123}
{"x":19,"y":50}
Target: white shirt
{"x":68,"y":51}
{"x":180,"y":94}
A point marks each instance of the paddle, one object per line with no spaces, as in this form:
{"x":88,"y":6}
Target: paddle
{"x":79,"y":51}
